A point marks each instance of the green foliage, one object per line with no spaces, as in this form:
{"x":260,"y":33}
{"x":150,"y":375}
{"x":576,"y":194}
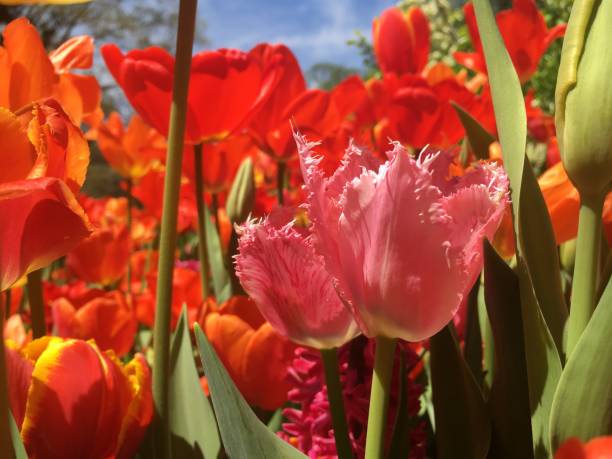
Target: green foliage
{"x":327,"y":75}
{"x":244,"y":435}
{"x":192,"y":421}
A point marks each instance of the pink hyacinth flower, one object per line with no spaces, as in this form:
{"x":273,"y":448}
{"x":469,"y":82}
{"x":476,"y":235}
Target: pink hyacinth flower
{"x":279,"y":269}
{"x":402,"y":241}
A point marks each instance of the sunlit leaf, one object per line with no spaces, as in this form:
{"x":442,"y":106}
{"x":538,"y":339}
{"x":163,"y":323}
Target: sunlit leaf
{"x":244,"y":435}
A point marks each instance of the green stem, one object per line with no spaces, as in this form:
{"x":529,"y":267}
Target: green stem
{"x":336,"y":403}
{"x":280,"y":181}
{"x":214,"y":210}
{"x":202,"y":249}
{"x":585,"y":268}
{"x":6,"y":444}
{"x":172,"y":182}
{"x":379,"y":397}
{"x":129,"y":184}
{"x":37,"y":304}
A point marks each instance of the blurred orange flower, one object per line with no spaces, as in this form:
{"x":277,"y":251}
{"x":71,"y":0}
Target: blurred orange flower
{"x":256,"y":357}
{"x":130,"y":151}
{"x":103,"y":257}
{"x":28,"y":74}
{"x":596,"y":448}
{"x":109,"y":320}
{"x":70,"y":400}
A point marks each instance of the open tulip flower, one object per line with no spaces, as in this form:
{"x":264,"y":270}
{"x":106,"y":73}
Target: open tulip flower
{"x":29,"y":74}
{"x":130,"y":151}
{"x":70,"y":400}
{"x":43,"y":161}
{"x":230,"y":81}
{"x":525,"y":48}
{"x":279,"y":269}
{"x":389,"y":234}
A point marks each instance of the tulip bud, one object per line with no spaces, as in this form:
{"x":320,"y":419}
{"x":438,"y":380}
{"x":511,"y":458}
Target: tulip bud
{"x":584,"y":98}
{"x":241,"y":197}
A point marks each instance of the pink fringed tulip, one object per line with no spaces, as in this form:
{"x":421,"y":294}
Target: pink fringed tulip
{"x":402,"y":241}
{"x":279,"y":269}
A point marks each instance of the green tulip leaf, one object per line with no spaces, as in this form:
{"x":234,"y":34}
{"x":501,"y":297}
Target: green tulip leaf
{"x":192,"y":422}
{"x":463,"y":425}
{"x":18,"y":448}
{"x":222,"y":281}
{"x":244,"y":435}
{"x":509,"y":396}
{"x":473,"y":337}
{"x":583,"y":402}
{"x":478,"y":137}
{"x":542,"y":302}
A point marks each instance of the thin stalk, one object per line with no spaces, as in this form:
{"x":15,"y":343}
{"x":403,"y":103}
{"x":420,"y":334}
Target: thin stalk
{"x":280,"y":181}
{"x":379,"y":397}
{"x":37,"y":304}
{"x":586,"y":268}
{"x":129,"y":184}
{"x":214,"y":210}
{"x":336,"y":403}
{"x":6,"y":444}
{"x":202,"y":249}
{"x":178,"y":113}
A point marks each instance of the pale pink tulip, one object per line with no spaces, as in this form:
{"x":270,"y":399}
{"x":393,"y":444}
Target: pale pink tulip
{"x":279,"y":269}
{"x":402,"y":241}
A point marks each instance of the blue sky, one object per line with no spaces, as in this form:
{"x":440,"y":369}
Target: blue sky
{"x":316,"y":30}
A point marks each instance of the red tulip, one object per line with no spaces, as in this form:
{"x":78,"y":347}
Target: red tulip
{"x":108,"y":319}
{"x":525,"y":47}
{"x":45,"y":223}
{"x":70,"y":400}
{"x":401,"y":41}
{"x":103,"y":257}
{"x":226,"y":87}
{"x":597,"y":448}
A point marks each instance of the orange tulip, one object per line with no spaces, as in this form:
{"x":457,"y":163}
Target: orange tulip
{"x":70,"y":400}
{"x":597,"y":448}
{"x":109,"y":320}
{"x":525,"y":47}
{"x":563,"y":203}
{"x":401,"y":41}
{"x":130,"y":151}
{"x":256,"y":357}
{"x":103,"y":257}
{"x":27,"y":74}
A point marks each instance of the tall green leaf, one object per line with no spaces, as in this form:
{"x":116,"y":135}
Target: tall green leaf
{"x":222,"y":282}
{"x":509,"y":398}
{"x":542,"y":302}
{"x":244,"y":435}
{"x":463,"y":426}
{"x":192,"y":422}
{"x":583,"y":402}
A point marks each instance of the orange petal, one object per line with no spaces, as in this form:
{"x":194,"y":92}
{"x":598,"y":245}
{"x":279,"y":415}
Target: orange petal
{"x":46,"y":222}
{"x":17,"y":154}
{"x":31,"y":73}
{"x":74,"y":53}
{"x":19,"y":371}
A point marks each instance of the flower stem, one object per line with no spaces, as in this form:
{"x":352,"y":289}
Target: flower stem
{"x":37,"y":304}
{"x":178,"y":113}
{"x":202,"y":249}
{"x":336,"y":403}
{"x":585,"y":268}
{"x":379,"y":397}
{"x":280,"y":181}
{"x":6,"y":444}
